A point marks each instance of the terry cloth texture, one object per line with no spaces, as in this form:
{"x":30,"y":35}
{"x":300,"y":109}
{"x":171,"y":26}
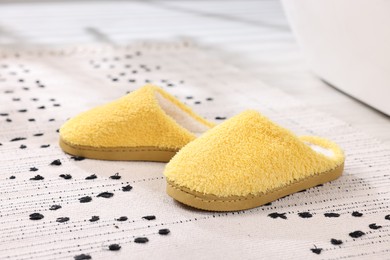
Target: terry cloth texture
{"x":40,"y":90}
{"x":248,"y":155}
{"x":136,"y":120}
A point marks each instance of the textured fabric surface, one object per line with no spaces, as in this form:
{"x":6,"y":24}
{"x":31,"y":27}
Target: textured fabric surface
{"x":54,"y":206}
{"x":248,"y":155}
{"x":135,"y":120}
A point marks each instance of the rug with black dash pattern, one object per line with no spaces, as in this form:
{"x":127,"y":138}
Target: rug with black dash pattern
{"x":55,"y":206}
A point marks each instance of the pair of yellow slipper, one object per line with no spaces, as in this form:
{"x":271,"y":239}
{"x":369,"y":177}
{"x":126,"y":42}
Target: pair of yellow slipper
{"x":245,"y":162}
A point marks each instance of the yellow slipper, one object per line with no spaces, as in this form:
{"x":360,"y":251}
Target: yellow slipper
{"x":148,"y":124}
{"x":249,"y":161}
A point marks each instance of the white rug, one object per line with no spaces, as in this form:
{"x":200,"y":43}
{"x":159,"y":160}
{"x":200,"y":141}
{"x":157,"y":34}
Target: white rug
{"x":40,"y":89}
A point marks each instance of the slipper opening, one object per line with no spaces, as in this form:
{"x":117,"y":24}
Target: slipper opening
{"x":321,"y":150}
{"x":182,"y":117}
{"x":324,"y":147}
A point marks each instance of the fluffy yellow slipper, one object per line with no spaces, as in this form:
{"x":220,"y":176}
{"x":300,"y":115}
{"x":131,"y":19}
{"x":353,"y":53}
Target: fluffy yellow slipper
{"x":249,"y":161}
{"x":147,"y":124}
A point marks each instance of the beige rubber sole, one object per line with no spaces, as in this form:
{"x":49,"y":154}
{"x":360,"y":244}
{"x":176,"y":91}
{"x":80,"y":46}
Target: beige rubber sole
{"x":154,"y":154}
{"x":234,"y":203}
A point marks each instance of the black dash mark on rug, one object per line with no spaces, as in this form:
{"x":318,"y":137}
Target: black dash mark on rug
{"x":91,"y":177}
{"x":114,"y":247}
{"x":387,"y":217}
{"x":116,"y":176}
{"x":77,"y":158}
{"x":37,"y":178}
{"x":94,"y":218}
{"x":18,"y":139}
{"x":305,"y":214}
{"x":8,"y":120}
{"x":38,"y":134}
{"x":123,"y":218}
{"x":356,"y":234}
{"x":55,"y":207}
{"x":316,"y":250}
{"x":164,"y":231}
{"x":332,"y":215}
{"x":33,"y":169}
{"x":4,"y":114}
{"x":22,"y":146}
{"x":22,"y":110}
{"x":12,"y":177}
{"x":82,"y":257}
{"x":220,"y":118}
{"x":66,"y":176}
{"x":277,"y":215}
{"x":85,"y":199}
{"x":31,"y":120}
{"x":56,"y":162}
{"x":151,"y":217}
{"x":105,"y":195}
{"x":141,"y":240}
{"x":127,"y":188}
{"x":336,"y":242}
{"x":357,"y":214}
{"x":62,"y":219}
{"x":45,"y":145}
{"x":374,"y":226}
{"x":36,"y":216}
{"x":41,"y":107}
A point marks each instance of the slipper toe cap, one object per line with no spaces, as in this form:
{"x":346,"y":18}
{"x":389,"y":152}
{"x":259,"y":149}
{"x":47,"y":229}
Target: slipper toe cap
{"x":135,"y":120}
{"x":247,"y":155}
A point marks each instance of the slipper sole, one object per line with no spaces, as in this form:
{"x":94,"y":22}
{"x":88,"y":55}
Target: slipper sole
{"x":234,"y":203}
{"x":146,"y":153}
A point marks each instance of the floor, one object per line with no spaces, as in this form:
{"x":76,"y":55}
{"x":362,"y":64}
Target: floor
{"x":52,"y":204}
{"x":252,"y":32}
